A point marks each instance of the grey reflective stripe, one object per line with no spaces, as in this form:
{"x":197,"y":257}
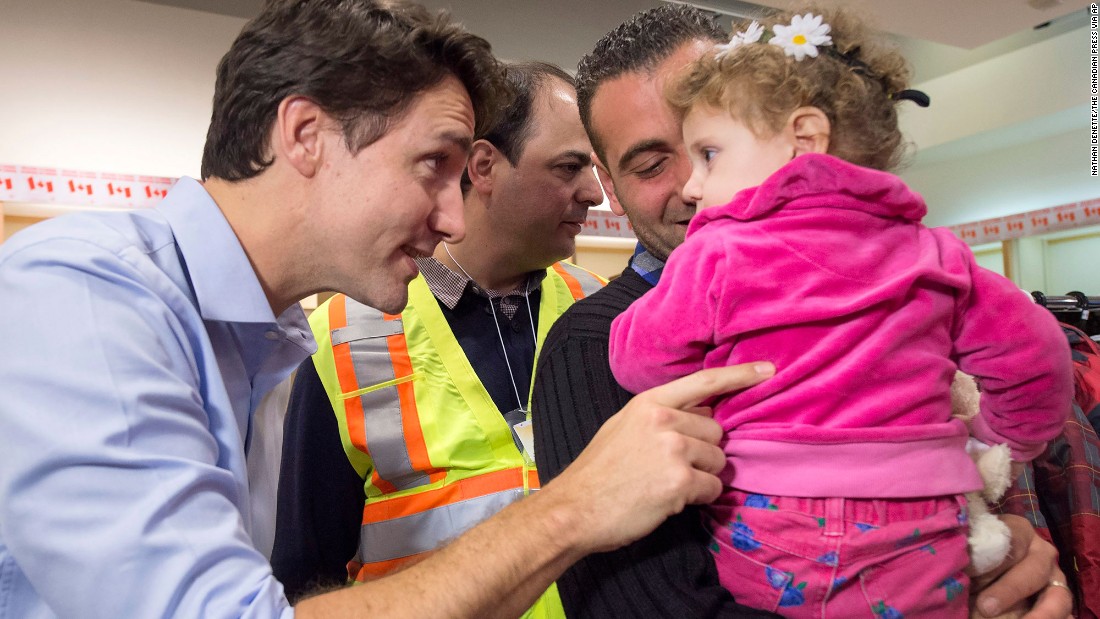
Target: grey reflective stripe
{"x":429,"y":529}
{"x":364,"y":330}
{"x":370,"y":356}
{"x":589,"y":283}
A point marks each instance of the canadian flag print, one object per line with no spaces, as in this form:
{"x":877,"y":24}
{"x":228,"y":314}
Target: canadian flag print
{"x":1032,"y":223}
{"x":81,"y":188}
{"x":606,"y":224}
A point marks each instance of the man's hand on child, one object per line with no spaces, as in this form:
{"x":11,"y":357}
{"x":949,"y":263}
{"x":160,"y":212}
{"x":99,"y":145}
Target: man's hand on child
{"x":1028,"y":571}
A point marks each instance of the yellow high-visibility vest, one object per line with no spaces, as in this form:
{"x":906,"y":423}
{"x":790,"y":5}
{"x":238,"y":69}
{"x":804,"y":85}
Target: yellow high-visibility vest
{"x":435,"y":454}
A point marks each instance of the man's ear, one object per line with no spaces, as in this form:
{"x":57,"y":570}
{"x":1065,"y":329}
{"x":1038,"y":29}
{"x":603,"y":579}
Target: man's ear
{"x":608,"y":186}
{"x":479,"y":166}
{"x":296,"y":136}
{"x":810,"y":128}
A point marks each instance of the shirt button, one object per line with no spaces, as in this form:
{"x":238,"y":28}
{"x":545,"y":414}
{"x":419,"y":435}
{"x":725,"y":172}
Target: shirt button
{"x":271,"y":335}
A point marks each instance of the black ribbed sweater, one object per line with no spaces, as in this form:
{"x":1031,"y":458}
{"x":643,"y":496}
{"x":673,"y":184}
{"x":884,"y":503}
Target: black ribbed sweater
{"x":669,"y":573}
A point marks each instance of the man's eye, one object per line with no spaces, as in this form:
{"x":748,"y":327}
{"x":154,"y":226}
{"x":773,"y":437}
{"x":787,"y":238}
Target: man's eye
{"x":436,"y":162}
{"x":652,"y":170}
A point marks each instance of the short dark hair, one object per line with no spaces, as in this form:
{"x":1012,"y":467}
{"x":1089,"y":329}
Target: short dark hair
{"x":362,"y":61}
{"x":509,"y":134}
{"x":512,"y":128}
{"x":640,"y":44}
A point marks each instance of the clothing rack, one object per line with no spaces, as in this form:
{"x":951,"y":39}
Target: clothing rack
{"x":1075,"y":309}
{"x":1071,"y":301}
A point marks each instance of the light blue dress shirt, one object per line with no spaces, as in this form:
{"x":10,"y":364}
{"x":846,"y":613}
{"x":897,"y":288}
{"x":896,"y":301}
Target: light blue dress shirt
{"x":134,"y":348}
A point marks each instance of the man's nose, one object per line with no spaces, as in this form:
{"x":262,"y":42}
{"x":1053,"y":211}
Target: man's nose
{"x":447,"y":220}
{"x":589,"y":192}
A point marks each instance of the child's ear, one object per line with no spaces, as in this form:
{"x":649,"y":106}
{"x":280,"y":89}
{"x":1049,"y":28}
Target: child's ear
{"x":809,"y":127}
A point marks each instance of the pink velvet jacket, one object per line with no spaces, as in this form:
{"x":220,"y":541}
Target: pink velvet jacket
{"x":826,"y":270}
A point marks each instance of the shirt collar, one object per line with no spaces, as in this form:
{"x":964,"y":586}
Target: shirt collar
{"x":449,"y":286}
{"x":647,"y":265}
{"x":225,"y":284}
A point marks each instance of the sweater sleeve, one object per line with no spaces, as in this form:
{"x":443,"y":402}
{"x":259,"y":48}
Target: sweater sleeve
{"x":1022,"y":362}
{"x":667,"y":333}
{"x":670,"y":572}
{"x":320,"y":496}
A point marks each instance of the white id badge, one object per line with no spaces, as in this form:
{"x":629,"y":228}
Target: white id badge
{"x":526,"y":435}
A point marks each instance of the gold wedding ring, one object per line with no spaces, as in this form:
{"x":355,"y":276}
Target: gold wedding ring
{"x":1058,"y":583}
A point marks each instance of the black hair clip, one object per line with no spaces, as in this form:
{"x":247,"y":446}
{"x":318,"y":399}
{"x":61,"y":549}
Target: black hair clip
{"x":851,"y":58}
{"x":915,"y":96}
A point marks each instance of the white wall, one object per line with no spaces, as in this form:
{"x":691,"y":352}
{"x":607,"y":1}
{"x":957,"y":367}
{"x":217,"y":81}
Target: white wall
{"x":125,"y":86}
{"x":990,"y":256}
{"x":1071,"y":262}
{"x":108,"y":85}
{"x":1012,"y":179}
{"x":1006,"y":135}
{"x":1038,"y":80}
{"x":1058,"y":262}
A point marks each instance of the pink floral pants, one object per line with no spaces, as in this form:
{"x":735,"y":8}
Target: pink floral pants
{"x":843,"y":558}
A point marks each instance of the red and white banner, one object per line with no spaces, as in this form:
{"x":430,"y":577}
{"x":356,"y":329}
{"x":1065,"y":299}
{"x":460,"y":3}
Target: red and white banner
{"x":40,"y":185}
{"x":606,"y":223}
{"x":1053,"y":219}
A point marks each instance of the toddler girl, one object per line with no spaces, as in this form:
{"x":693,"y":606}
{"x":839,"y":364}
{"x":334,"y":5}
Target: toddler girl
{"x":845,"y":470}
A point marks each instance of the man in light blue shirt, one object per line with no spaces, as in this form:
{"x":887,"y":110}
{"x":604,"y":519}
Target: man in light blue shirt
{"x":139,"y":448}
{"x":136,"y":346}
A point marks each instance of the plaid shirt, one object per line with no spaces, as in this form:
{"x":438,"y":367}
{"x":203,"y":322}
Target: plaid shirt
{"x":1059,"y":491}
{"x":647,"y":265}
{"x":448,"y":286}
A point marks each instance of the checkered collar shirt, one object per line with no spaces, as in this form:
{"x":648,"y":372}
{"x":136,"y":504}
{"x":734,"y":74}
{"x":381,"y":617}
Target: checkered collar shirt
{"x":647,"y":265}
{"x":448,"y":287}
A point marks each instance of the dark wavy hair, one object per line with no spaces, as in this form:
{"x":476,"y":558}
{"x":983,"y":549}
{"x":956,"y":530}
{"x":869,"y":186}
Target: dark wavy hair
{"x":640,"y":44}
{"x":362,"y":61}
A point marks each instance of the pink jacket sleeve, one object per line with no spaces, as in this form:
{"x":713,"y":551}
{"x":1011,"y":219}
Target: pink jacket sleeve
{"x":1021,"y":359}
{"x":666,"y":334}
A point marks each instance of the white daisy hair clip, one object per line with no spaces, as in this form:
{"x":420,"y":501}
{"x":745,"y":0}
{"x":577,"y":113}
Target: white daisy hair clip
{"x":751,"y":34}
{"x":800,"y":39}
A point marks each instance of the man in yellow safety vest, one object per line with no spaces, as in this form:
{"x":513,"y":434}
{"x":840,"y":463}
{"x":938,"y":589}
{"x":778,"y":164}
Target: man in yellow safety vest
{"x":404,"y":430}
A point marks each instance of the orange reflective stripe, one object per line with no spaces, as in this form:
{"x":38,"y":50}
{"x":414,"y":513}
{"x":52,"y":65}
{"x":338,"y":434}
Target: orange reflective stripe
{"x":383,"y":486}
{"x":574,"y":285}
{"x":469,"y":488}
{"x":410,"y":418}
{"x":345,"y":372}
{"x":338,"y":319}
{"x":366,"y":572}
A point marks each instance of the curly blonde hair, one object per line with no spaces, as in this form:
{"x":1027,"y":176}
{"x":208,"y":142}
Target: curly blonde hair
{"x":852,"y":82}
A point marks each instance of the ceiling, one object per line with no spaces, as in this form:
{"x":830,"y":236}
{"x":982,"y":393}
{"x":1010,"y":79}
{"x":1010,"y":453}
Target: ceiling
{"x":937,"y":36}
{"x":972,"y":23}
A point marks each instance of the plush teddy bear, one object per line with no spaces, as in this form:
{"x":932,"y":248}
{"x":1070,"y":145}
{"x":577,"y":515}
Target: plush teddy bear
{"x":989,"y":537}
